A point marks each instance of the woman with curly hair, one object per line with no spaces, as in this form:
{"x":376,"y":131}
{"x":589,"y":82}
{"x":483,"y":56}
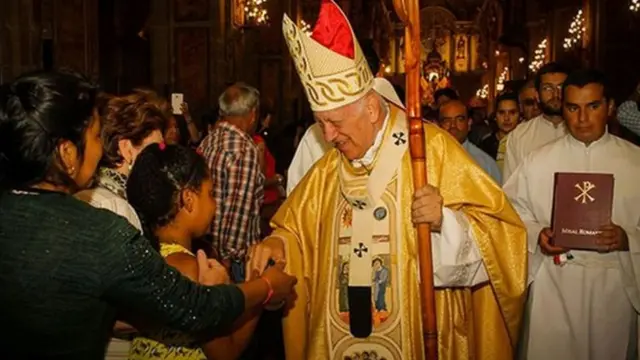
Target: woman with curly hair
{"x":129,"y":124}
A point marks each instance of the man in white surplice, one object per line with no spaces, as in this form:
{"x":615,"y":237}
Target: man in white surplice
{"x":584,"y":308}
{"x":542,"y":129}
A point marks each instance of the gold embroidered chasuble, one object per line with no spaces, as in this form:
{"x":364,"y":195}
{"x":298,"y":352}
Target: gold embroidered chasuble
{"x":315,"y":224}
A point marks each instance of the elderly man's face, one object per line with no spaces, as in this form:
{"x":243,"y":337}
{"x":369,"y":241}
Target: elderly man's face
{"x":352,"y":128}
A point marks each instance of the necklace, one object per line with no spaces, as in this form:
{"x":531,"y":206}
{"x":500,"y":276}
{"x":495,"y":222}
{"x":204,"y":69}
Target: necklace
{"x":113,"y":181}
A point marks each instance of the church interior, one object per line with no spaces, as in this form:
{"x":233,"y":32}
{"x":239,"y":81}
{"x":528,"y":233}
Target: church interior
{"x":196,"y":47}
{"x":487,"y":80}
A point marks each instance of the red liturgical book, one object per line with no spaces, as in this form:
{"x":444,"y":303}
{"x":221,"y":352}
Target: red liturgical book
{"x":582,"y":204}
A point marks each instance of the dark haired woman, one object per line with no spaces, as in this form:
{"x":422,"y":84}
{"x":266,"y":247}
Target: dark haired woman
{"x":171,"y":189}
{"x":128,"y":124}
{"x":66,"y":266}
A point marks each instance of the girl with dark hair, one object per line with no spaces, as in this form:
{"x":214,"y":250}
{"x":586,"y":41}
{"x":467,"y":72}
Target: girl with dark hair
{"x":171,"y":189}
{"x":66,"y":267}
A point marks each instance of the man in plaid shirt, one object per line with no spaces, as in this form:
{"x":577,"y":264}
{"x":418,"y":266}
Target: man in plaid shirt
{"x":238,"y":181}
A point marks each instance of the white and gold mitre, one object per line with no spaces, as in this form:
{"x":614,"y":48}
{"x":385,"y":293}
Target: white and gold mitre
{"x":331,"y":65}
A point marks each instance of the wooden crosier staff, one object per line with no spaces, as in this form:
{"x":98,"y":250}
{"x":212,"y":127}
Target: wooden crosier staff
{"x":409,"y":13}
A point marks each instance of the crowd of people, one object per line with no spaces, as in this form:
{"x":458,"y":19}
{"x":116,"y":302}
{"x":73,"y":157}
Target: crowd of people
{"x":127,"y":232}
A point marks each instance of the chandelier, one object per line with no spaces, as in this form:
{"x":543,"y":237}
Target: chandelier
{"x":576,"y":29}
{"x":483,"y":93}
{"x":539,"y":56}
{"x":255,"y":12}
{"x":502,"y":79}
{"x":635,"y":5}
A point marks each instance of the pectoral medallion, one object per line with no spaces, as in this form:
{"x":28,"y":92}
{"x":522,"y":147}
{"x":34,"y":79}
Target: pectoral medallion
{"x":380,"y":213}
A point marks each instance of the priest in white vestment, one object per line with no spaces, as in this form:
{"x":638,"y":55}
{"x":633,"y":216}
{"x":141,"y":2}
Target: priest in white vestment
{"x":532,"y":134}
{"x":583,"y":304}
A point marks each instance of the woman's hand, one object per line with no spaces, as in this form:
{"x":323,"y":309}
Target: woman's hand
{"x":280,"y":282}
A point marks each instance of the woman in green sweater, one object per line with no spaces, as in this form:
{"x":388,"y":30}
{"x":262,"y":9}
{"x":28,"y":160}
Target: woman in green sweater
{"x":66,"y":267}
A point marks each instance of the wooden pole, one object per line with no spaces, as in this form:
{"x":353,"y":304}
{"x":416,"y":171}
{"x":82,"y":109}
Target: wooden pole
{"x":409,"y":13}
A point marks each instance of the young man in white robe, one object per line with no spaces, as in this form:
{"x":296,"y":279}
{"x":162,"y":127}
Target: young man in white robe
{"x":584,"y":308}
{"x":542,"y":129}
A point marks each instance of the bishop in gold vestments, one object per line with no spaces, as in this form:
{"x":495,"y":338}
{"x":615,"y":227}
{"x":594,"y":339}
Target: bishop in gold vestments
{"x":349,"y":224}
{"x":473,"y":322}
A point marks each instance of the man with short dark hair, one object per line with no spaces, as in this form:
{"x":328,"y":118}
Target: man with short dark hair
{"x":453,"y":117}
{"x":583,"y":304}
{"x":544,"y":128}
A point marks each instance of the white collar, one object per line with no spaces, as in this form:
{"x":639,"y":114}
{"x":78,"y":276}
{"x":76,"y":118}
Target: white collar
{"x":579,"y":144}
{"x":369,"y":156}
{"x":546,"y":122}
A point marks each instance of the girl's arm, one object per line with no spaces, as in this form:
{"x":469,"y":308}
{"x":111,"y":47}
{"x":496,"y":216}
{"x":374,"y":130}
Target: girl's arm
{"x":231,"y":347}
{"x":228,"y":347}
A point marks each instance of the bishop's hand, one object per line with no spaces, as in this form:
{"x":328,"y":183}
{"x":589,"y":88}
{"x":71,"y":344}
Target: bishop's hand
{"x":612,"y":238}
{"x":272,"y":248}
{"x":427,"y":207}
{"x":545,"y":240}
